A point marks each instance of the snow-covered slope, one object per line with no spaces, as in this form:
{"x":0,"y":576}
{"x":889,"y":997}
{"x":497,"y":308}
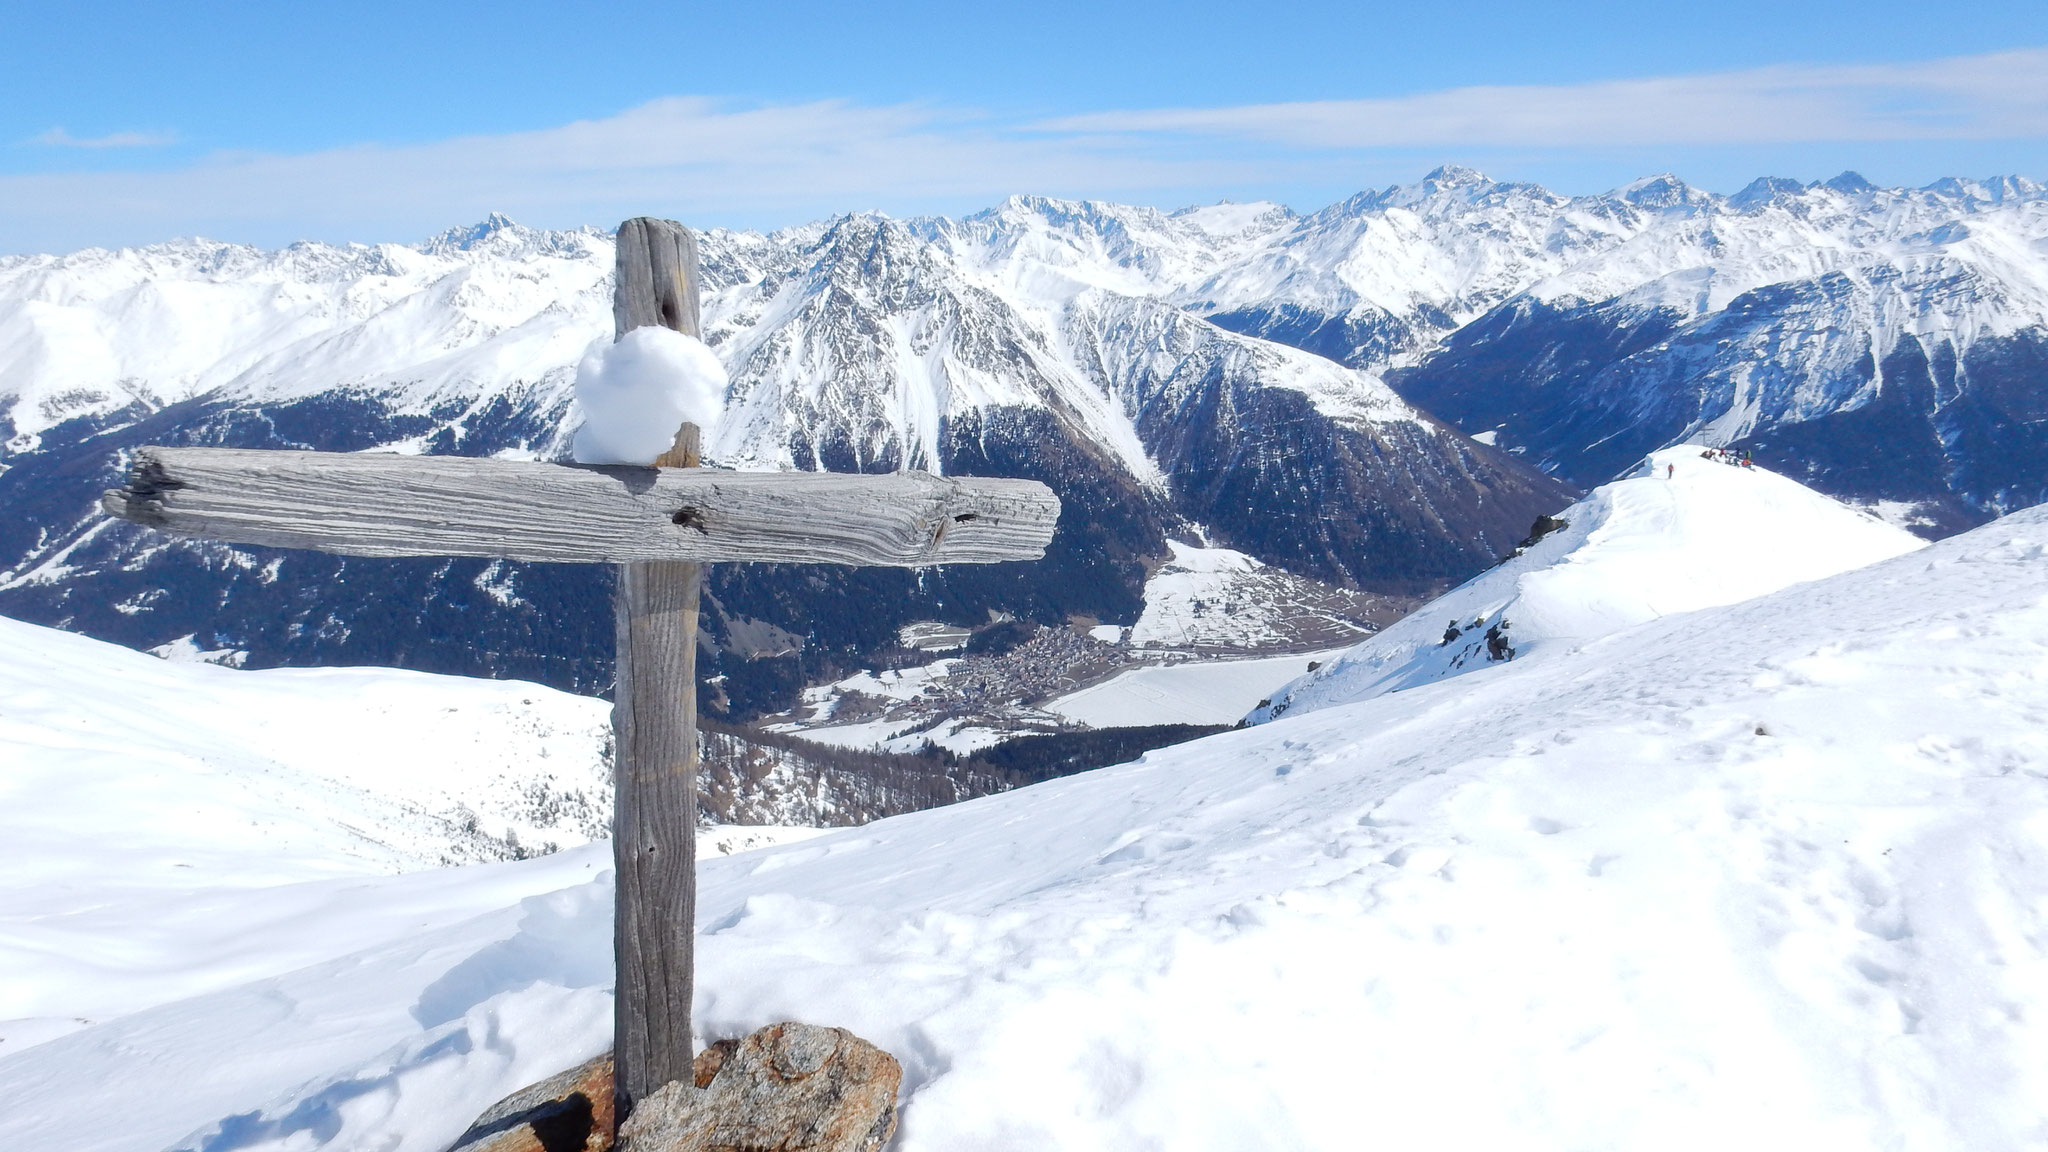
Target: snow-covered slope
{"x":212,"y":773}
{"x":135,"y":792}
{"x":315,"y":772}
{"x":1222,"y":598}
{"x":1681,"y":532}
{"x":1762,"y":875}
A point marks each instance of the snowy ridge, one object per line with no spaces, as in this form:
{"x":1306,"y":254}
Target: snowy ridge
{"x":95,"y":331}
{"x":1679,"y":534}
{"x":1769,"y":871}
{"x":1408,"y":264}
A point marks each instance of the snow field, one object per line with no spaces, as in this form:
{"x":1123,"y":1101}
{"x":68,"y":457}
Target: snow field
{"x":1765,"y":875}
{"x":321,"y":772}
{"x":1581,"y":903}
{"x":442,"y":949}
{"x":139,"y":797}
{"x":1188,"y":601}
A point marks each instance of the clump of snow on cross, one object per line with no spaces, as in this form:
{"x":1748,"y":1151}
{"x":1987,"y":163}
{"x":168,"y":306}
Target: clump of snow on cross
{"x":635,"y":394}
{"x":1676,"y":534}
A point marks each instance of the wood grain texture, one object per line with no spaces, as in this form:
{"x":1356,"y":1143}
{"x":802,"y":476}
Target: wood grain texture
{"x":654,"y":722}
{"x":656,"y":284}
{"x":654,"y":825}
{"x":362,"y":504}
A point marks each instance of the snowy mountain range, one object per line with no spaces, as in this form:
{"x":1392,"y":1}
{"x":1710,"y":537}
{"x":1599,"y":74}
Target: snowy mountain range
{"x":1236,"y":376}
{"x":1690,"y":869}
{"x":1887,"y":345}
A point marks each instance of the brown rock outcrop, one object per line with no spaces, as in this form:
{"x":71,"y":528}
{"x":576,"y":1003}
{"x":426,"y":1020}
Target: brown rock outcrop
{"x":568,"y":1112}
{"x":786,"y":1088}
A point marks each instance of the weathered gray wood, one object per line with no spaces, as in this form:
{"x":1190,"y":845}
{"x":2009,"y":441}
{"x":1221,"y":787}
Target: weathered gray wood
{"x":654,"y":825}
{"x":656,"y":284}
{"x":654,"y":723}
{"x":364,"y":504}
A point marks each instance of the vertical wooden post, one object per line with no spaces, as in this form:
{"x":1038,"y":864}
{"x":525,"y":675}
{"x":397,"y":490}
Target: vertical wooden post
{"x":654,"y":725}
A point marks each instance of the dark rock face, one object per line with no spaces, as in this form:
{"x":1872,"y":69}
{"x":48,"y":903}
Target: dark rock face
{"x":1395,"y":507}
{"x":1585,"y":391}
{"x":1543,"y":526}
{"x":1531,"y":370}
{"x":1361,"y":336}
{"x":1965,"y":437}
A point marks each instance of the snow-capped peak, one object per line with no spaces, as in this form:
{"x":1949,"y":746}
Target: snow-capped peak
{"x":464,"y":238}
{"x":1456,"y":176}
{"x":1687,"y":529}
{"x":1661,"y":191}
{"x":1850,"y":184}
{"x":1765,"y":190}
{"x":1228,"y":218}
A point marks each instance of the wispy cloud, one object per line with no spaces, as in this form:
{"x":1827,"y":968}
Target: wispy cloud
{"x":1997,"y":96}
{"x":59,"y":138}
{"x":688,"y":156}
{"x":712,"y":161}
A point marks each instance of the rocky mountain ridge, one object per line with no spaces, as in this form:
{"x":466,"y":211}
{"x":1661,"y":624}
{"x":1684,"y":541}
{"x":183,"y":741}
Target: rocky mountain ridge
{"x":858,"y":344}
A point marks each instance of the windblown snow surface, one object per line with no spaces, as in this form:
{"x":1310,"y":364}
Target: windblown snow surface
{"x":1765,"y":875}
{"x":136,"y":795}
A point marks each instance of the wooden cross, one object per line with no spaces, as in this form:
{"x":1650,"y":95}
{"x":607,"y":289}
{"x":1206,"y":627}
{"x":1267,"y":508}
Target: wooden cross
{"x":660,"y":525}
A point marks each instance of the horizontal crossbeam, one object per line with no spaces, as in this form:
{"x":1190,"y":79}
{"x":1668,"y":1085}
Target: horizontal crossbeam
{"x":366,"y":504}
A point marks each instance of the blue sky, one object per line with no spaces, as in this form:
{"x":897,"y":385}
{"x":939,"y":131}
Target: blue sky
{"x":131,"y":122}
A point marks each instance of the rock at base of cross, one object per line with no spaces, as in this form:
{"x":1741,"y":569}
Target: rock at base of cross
{"x":568,"y":1112}
{"x":786,"y":1088}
